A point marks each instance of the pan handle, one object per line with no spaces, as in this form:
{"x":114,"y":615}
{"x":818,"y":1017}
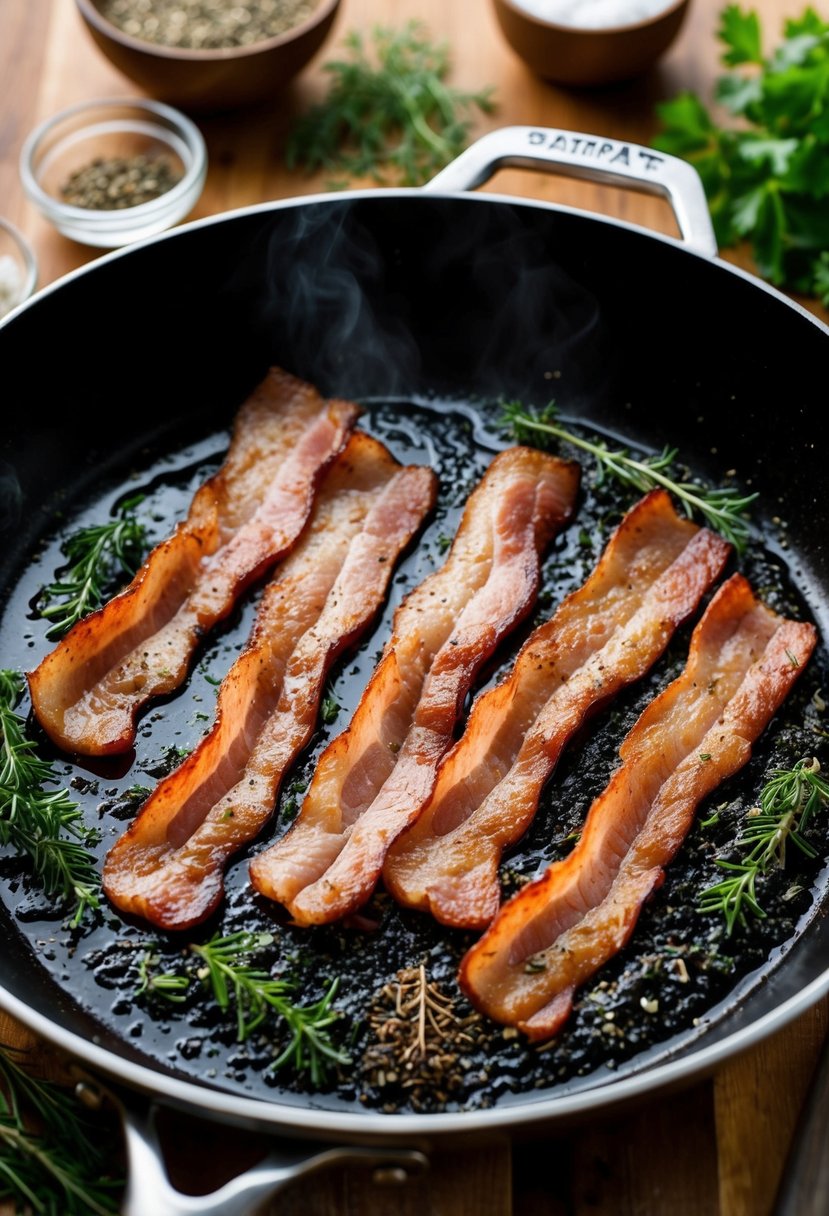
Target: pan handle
{"x":573,"y":154}
{"x":150,"y":1192}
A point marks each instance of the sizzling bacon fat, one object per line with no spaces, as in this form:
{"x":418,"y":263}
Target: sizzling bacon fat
{"x":168,"y":866}
{"x":87,"y":692}
{"x":560,"y":929}
{"x":651,"y":577}
{"x":373,"y":779}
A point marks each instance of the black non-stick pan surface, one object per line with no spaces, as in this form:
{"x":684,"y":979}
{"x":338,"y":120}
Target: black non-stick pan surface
{"x":429,"y":311}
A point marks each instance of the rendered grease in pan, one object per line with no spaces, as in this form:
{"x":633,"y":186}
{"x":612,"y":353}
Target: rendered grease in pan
{"x":679,"y":973}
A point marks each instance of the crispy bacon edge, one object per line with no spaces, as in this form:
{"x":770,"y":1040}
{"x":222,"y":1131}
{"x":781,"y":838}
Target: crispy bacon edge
{"x":325,"y":868}
{"x":173,"y":577}
{"x":542,"y":945}
{"x":225,"y":791}
{"x":650,"y":578}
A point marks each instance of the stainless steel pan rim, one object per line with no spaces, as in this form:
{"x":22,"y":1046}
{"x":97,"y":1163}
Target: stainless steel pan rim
{"x":522,"y":147}
{"x":295,"y":1121}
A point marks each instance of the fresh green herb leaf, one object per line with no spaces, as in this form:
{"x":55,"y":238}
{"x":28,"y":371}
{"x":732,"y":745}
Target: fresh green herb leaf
{"x":47,"y":826}
{"x":329,"y":709}
{"x":64,"y":1168}
{"x":789,"y":800}
{"x":740,"y":32}
{"x":97,"y":555}
{"x":254,"y":994}
{"x":137,"y":793}
{"x":168,"y":985}
{"x":723,"y":508}
{"x":766,"y":178}
{"x":389,"y":113}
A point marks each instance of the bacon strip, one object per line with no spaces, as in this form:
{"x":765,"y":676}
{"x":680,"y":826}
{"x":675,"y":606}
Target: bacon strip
{"x":373,"y":779}
{"x":560,"y":929}
{"x":168,"y":866}
{"x":87,"y":692}
{"x":651,"y":577}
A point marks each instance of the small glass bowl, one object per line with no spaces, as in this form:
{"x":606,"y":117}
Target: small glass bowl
{"x":112,"y":128}
{"x":18,"y":268}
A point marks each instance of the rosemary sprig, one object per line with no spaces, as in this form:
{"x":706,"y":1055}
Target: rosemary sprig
{"x":788,"y":802}
{"x":47,"y":826}
{"x":723,"y":508}
{"x":254,"y":994}
{"x":167,"y":985}
{"x":52,"y":1159}
{"x":389,"y":113}
{"x":97,"y":555}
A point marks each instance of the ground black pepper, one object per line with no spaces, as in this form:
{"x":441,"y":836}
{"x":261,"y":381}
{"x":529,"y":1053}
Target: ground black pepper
{"x":117,"y":182}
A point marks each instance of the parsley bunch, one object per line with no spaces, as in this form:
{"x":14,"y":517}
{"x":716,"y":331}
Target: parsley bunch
{"x":766,"y":179}
{"x":389,"y":113}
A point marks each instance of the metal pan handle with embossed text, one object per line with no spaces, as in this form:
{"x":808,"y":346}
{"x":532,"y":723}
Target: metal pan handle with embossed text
{"x":574,"y":154}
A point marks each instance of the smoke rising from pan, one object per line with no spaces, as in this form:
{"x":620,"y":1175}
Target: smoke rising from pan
{"x":388,"y":296}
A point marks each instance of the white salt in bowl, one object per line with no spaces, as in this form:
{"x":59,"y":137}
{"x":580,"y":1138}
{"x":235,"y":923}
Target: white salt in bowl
{"x":18,"y":268}
{"x":588,"y":54}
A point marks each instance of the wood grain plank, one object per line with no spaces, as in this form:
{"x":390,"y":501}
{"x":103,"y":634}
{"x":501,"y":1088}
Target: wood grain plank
{"x":757,"y":1100}
{"x":460,"y":1182}
{"x":23,"y":39}
{"x":632,"y":1166}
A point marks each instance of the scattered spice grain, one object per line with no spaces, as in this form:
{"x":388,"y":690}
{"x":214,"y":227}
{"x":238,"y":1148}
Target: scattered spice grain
{"x":117,"y":182}
{"x":421,"y":1042}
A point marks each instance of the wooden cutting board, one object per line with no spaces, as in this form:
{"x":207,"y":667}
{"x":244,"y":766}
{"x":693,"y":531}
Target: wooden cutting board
{"x":716,"y":1149}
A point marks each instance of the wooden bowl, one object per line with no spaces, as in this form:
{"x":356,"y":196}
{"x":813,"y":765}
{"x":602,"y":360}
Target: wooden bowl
{"x":568,"y":54}
{"x":204,"y":81}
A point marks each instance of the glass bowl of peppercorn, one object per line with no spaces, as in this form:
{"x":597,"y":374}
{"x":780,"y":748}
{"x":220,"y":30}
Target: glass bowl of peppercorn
{"x":110,"y":172}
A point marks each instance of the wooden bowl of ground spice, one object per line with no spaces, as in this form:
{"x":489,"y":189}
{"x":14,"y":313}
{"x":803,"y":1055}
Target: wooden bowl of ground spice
{"x":209,"y":55}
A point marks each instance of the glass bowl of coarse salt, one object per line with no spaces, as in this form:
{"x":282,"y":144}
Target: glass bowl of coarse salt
{"x":590,"y":42}
{"x":18,"y":268}
{"x":113,"y":171}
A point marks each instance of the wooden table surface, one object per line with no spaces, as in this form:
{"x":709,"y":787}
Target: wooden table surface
{"x":716,"y":1149}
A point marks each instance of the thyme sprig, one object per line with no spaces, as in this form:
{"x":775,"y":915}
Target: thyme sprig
{"x":167,"y":985}
{"x":52,"y":1159}
{"x":420,"y":1040}
{"x":788,"y":802}
{"x":254,"y":994}
{"x":722,"y":507}
{"x":388,"y":111}
{"x":96,"y":556}
{"x":47,"y":826}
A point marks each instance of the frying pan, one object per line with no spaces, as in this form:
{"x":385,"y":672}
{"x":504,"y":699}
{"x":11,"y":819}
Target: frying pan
{"x":403,"y":294}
